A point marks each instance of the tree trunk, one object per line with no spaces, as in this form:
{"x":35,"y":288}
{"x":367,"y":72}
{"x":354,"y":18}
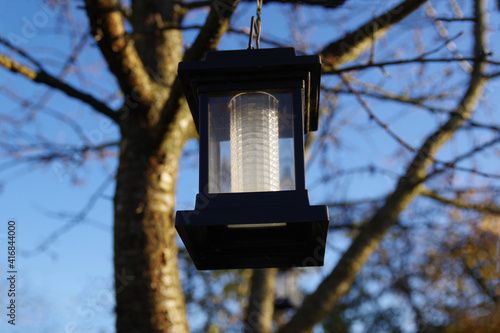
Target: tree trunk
{"x":148,"y":293}
{"x":149,"y":297}
{"x":259,"y":316}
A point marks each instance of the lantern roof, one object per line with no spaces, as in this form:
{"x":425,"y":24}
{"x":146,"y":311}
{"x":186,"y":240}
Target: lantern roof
{"x":226,"y":70}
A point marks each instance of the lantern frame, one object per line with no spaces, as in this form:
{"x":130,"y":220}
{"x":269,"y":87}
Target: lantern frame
{"x":254,"y":229}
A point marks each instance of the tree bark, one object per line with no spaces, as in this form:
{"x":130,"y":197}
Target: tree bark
{"x":145,"y":246}
{"x":259,"y":316}
{"x":353,"y":44}
{"x":148,"y":291}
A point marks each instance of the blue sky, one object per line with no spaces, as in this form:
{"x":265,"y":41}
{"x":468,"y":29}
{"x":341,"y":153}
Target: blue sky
{"x":67,"y":287}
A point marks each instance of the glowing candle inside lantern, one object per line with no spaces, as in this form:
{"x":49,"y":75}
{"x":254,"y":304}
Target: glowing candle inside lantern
{"x":254,"y":142}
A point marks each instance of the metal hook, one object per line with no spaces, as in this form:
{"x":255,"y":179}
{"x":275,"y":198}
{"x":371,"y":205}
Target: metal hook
{"x":254,"y":27}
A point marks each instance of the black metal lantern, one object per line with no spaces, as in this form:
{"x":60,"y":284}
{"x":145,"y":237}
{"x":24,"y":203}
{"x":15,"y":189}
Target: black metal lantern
{"x":252,"y":109}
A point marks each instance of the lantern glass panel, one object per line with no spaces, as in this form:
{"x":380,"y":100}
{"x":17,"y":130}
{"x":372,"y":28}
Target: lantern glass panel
{"x":251,"y":145}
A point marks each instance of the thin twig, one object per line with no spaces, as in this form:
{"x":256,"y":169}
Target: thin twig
{"x":372,"y":115}
{"x":74,"y":221}
{"x":42,"y":76}
{"x":403,"y":62}
{"x":461,"y":203}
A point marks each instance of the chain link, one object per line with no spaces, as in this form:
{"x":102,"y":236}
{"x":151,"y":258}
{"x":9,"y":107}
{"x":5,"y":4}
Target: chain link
{"x":255,"y":27}
{"x":259,"y":11}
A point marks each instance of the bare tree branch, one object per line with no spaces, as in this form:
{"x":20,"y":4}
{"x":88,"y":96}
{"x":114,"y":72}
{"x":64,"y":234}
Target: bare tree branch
{"x":21,"y":52}
{"x":369,"y":169}
{"x":445,"y":19}
{"x":372,"y":115}
{"x":337,"y":284}
{"x":443,"y":32}
{"x":402,"y":98}
{"x":353,"y":44}
{"x":323,"y":3}
{"x":246,"y":32}
{"x":41,"y":76}
{"x":480,"y":281}
{"x":459,"y":168}
{"x":140,"y":34}
{"x":216,"y":24}
{"x":485,"y":126}
{"x":400,"y":62}
{"x":106,"y":20}
{"x":419,"y":59}
{"x":461,"y":203}
{"x":456,"y":160}
{"x":473,"y":151}
{"x":51,"y":153}
{"x":74,"y":221}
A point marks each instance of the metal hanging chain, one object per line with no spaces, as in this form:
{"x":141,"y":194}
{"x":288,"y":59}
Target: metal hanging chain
{"x":259,"y":11}
{"x":255,"y":27}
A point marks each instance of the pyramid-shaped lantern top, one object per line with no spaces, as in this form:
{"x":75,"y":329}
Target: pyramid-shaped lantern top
{"x":257,"y":66}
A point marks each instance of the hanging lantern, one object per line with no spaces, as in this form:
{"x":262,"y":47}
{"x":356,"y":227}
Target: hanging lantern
{"x":251,"y":109}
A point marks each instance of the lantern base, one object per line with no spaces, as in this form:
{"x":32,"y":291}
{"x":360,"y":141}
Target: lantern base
{"x":254,"y":237}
